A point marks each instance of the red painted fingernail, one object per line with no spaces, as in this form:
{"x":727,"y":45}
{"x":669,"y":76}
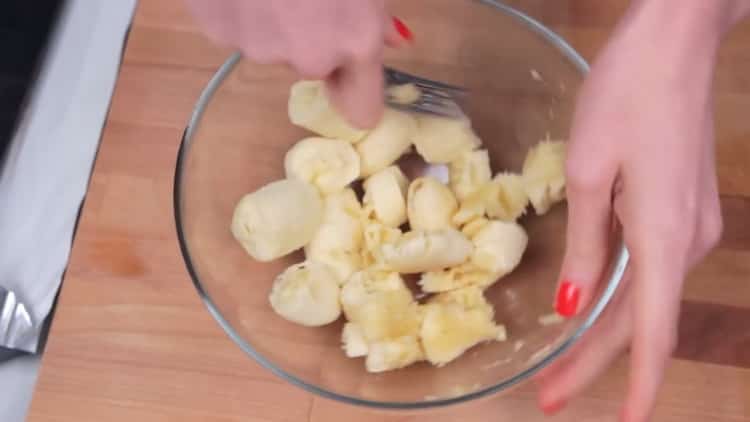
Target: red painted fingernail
{"x":554,"y":407}
{"x":403,"y":29}
{"x":566,"y":303}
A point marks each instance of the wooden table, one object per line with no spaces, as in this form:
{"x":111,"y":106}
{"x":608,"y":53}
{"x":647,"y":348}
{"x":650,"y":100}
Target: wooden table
{"x":132,"y":341}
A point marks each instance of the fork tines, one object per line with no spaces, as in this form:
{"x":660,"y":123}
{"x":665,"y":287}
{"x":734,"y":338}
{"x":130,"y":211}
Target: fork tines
{"x":436,"y":97}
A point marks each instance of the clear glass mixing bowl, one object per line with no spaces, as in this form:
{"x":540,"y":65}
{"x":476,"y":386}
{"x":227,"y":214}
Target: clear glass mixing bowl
{"x":522,"y":80}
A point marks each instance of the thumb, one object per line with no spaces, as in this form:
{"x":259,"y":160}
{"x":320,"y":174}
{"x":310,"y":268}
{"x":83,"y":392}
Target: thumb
{"x":356,"y":91}
{"x":588,"y":239}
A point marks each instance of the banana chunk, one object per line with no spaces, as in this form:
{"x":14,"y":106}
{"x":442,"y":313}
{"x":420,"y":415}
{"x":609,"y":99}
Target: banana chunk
{"x":470,"y":172}
{"x":309,"y":108}
{"x":328,"y":164}
{"x":544,"y":175}
{"x":306,"y":293}
{"x":430,"y":205}
{"x":464,"y":275}
{"x":277,"y":219}
{"x":499,"y":247}
{"x":388,"y":141}
{"x":385,"y":194}
{"x":403,"y":94}
{"x":376,"y":235}
{"x":506,"y":198}
{"x":353,"y":341}
{"x":422,"y":251}
{"x":338,"y":242}
{"x":381,"y":305}
{"x":441,"y":140}
{"x":393,"y":354}
{"x":456,"y":321}
{"x":472,"y":228}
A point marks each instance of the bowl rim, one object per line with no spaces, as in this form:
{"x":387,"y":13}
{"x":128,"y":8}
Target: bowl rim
{"x":618,"y":266}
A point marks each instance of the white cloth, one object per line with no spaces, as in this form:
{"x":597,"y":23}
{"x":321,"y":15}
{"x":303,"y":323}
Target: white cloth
{"x":48,"y":165}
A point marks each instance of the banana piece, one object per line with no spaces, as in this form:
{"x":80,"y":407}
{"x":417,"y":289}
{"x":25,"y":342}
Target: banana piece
{"x":309,"y":108}
{"x":388,"y":141}
{"x":306,"y":293}
{"x":381,"y":305}
{"x":422,"y":251}
{"x":499,"y":247}
{"x":393,"y":354}
{"x":376,"y":235}
{"x":472,"y":228}
{"x":430,"y":205}
{"x":506,"y":197}
{"x":277,"y":219}
{"x":464,"y":275}
{"x":328,"y":164}
{"x":385,"y":194}
{"x":473,"y":206}
{"x":353,"y":341}
{"x":403,"y":94}
{"x":470,"y":172}
{"x":454,"y":322}
{"x":441,"y":140}
{"x":544,"y":175}
{"x":338,"y":242}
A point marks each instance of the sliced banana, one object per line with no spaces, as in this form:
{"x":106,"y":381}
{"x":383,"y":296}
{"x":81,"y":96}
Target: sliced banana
{"x":464,"y":275}
{"x":338,"y":242}
{"x":376,"y":235}
{"x":473,"y":207}
{"x":277,"y":219}
{"x":393,"y":354}
{"x":443,"y":140}
{"x":309,"y":108}
{"x":499,"y":247}
{"x":421,"y":251}
{"x":329,"y":164}
{"x":385,"y":194}
{"x":403,"y":94}
{"x":544,"y":175}
{"x":381,"y":305}
{"x":430,"y":205}
{"x":456,"y":321}
{"x":470,"y":172}
{"x":471,"y":228}
{"x":388,"y":141}
{"x":506,"y":198}
{"x":353,"y":341}
{"x":307,"y":293}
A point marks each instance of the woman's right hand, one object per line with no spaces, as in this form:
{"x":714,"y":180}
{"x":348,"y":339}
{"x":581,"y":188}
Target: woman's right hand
{"x":339,"y":41}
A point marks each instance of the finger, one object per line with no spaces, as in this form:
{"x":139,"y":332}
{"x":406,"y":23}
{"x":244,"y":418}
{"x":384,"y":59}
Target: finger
{"x":587,"y":239}
{"x":356,"y":91}
{"x":578,"y":369}
{"x":657,"y":285}
{"x":397,"y":32}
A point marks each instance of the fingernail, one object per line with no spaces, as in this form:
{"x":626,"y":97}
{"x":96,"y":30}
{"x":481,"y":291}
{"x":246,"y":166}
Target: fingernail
{"x":553,"y":407}
{"x":566,"y":303}
{"x":402,"y":29}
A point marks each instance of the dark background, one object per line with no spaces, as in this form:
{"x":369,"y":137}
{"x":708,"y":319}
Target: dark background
{"x":25,"y":29}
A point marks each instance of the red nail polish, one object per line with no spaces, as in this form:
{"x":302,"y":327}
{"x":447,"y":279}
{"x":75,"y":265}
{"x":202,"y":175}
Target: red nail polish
{"x":554,"y":407}
{"x":566,"y":303}
{"x":403,"y":29}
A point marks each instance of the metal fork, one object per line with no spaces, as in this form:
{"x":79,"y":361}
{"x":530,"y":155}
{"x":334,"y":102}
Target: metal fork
{"x":435,"y":98}
{"x":17,"y":330}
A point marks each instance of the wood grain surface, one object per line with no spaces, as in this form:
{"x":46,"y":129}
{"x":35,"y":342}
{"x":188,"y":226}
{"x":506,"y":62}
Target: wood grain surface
{"x":132,"y":341}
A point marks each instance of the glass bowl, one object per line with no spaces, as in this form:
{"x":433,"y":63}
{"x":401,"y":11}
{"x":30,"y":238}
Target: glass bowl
{"x":522,"y":80}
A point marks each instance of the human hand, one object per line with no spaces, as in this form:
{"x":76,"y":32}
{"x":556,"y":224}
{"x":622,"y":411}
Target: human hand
{"x":339,"y":41}
{"x":641,"y":152}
